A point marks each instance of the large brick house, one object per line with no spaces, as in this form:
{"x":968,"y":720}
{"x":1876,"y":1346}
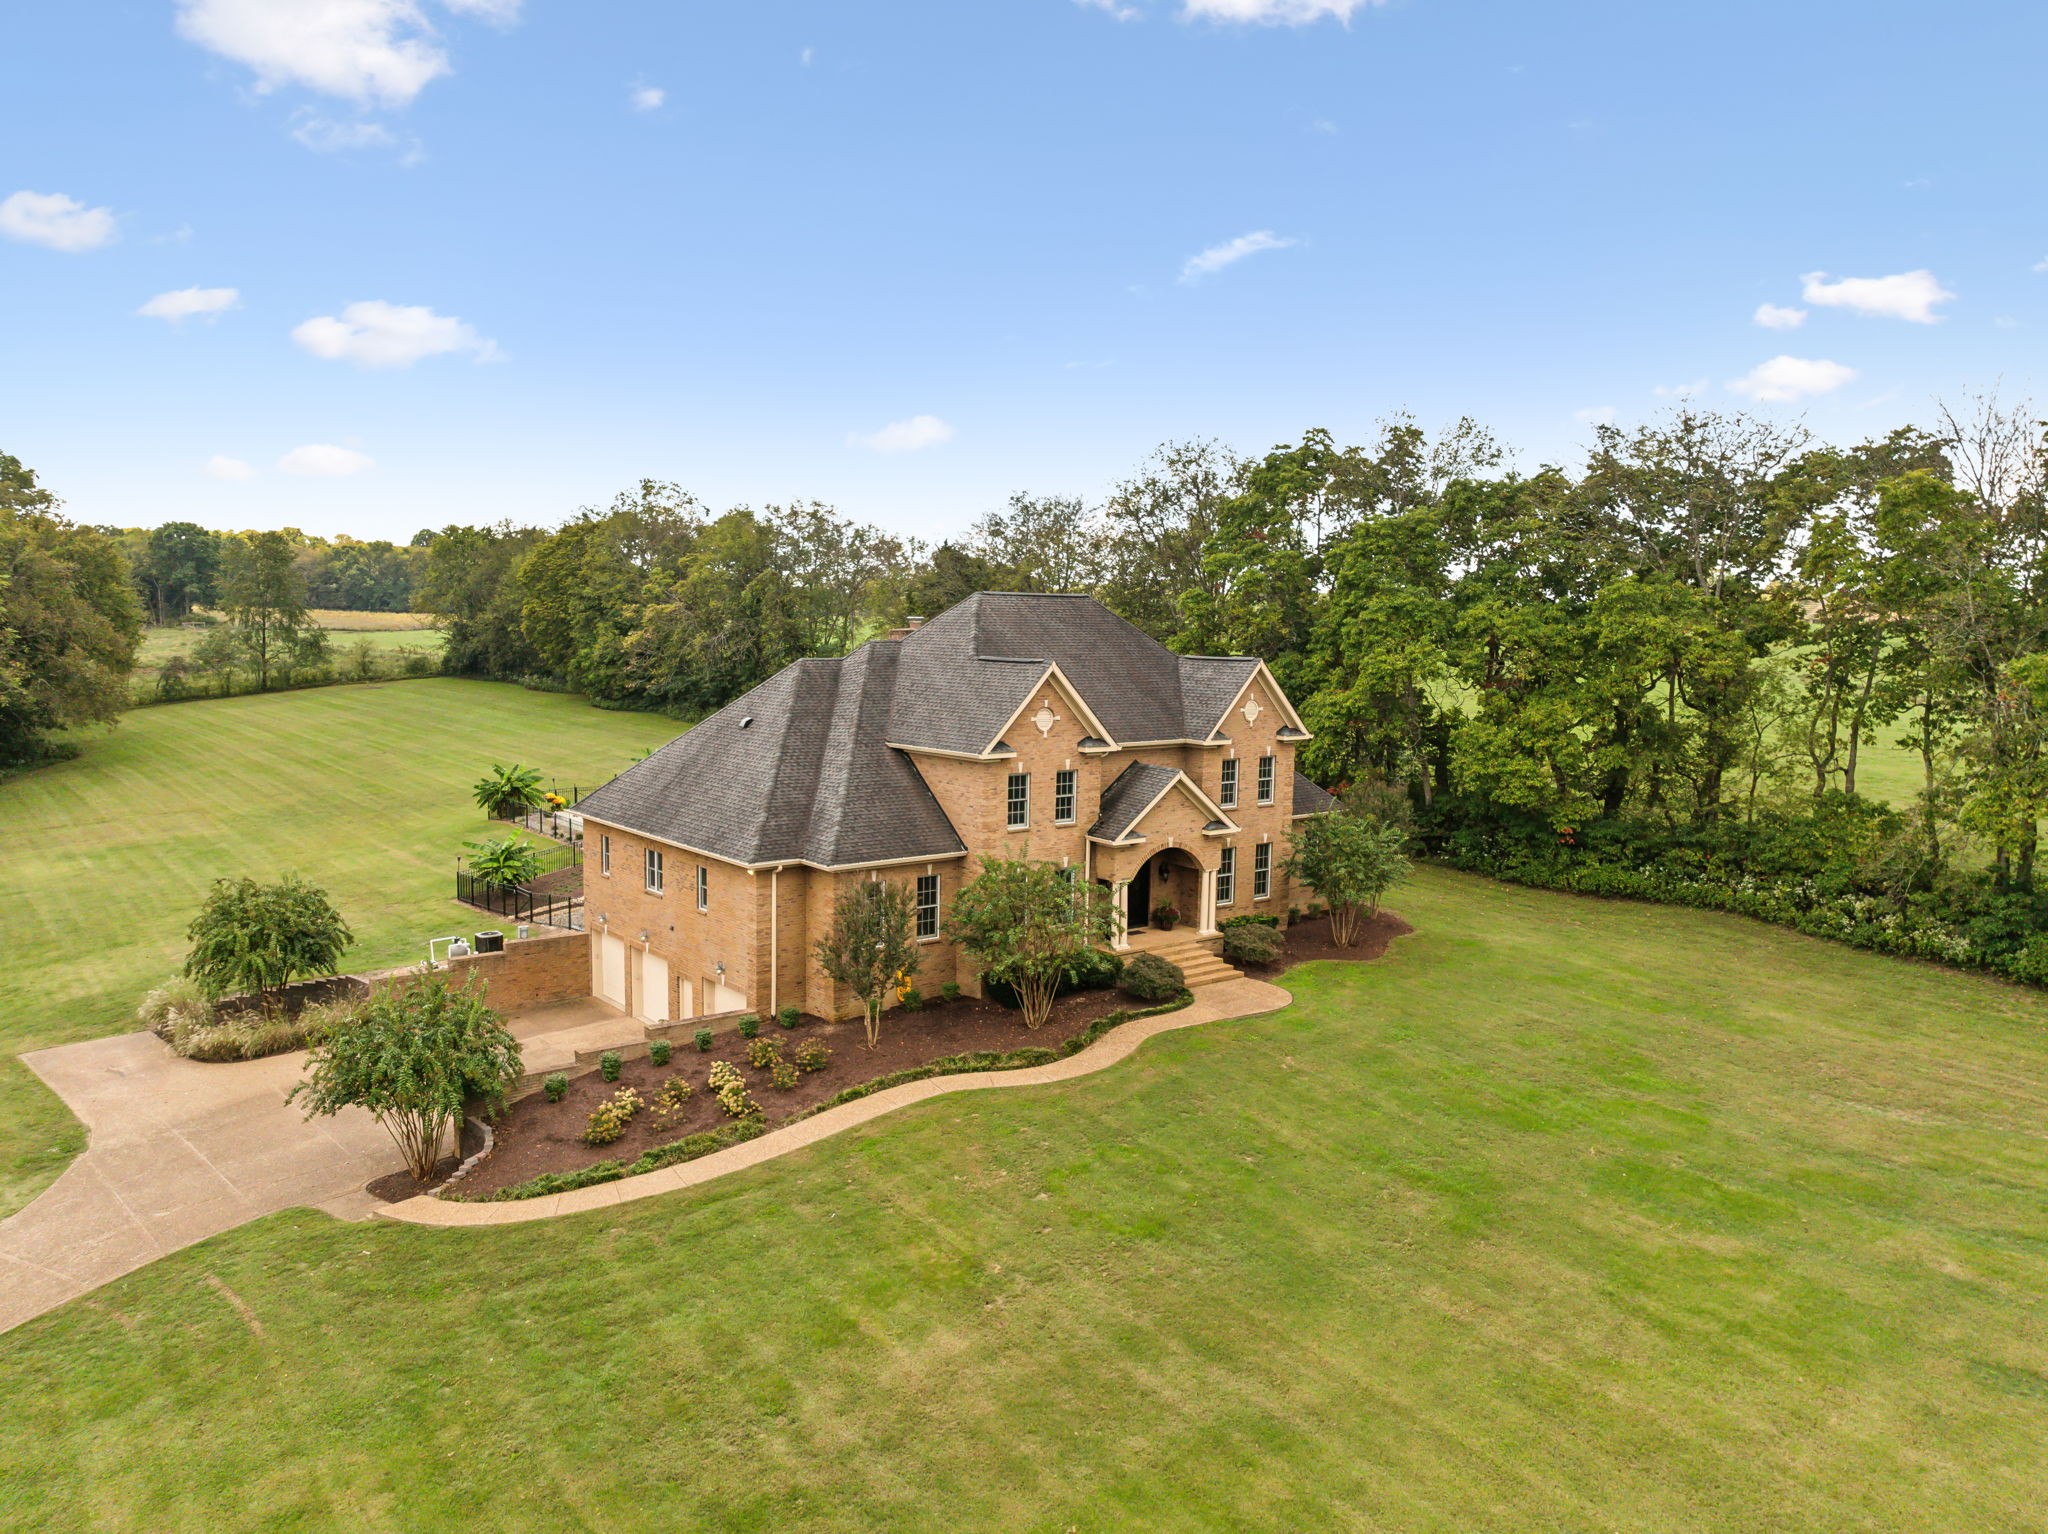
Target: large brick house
{"x":1012,"y":725}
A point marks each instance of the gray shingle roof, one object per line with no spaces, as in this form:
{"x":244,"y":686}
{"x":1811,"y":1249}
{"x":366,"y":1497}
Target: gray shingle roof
{"x":970,"y":669}
{"x":809,"y":778}
{"x":1127,"y":798}
{"x":1309,"y":799}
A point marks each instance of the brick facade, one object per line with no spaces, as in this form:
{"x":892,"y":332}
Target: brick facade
{"x":764,"y":924}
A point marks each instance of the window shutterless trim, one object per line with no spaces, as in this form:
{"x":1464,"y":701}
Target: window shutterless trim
{"x":1017,"y":802}
{"x":1227,"y":792}
{"x":651,"y":868}
{"x":604,"y":856}
{"x":1226,"y":877}
{"x":927,"y":908}
{"x":1065,"y":790}
{"x":1266,"y":770}
{"x":1262,"y":871}
{"x":703,"y":888}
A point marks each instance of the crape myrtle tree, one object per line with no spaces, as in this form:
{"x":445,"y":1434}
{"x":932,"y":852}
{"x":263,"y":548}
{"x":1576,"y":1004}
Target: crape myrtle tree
{"x":1350,"y":861}
{"x":414,"y":1055}
{"x":1027,"y":924}
{"x":870,"y":948}
{"x":252,"y":937}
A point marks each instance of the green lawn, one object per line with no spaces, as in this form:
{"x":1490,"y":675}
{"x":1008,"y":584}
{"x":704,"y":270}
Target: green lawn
{"x":1565,"y":1215}
{"x":160,"y":644}
{"x":364,"y":789}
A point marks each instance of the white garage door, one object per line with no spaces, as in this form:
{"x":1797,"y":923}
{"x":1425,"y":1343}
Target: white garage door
{"x":650,"y":987}
{"x":611,"y":969}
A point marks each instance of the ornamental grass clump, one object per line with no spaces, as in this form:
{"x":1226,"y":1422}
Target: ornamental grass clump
{"x":413,"y":1055}
{"x":608,"y":1120}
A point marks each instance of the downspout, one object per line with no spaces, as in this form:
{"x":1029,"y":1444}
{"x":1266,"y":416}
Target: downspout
{"x":774,"y":939}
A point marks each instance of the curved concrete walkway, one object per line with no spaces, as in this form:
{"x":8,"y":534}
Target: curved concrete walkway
{"x":1232,"y":999}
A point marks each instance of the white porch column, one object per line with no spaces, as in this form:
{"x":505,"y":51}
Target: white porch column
{"x":1120,"y":896}
{"x":1208,"y":927}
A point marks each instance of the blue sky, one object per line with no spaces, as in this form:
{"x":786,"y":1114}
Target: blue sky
{"x":499,"y":258}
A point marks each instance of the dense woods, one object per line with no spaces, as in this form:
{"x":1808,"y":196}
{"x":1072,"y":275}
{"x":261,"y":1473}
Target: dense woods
{"x":1665,"y":674}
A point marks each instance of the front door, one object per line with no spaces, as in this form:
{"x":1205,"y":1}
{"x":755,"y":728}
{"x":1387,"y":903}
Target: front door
{"x":1139,"y":912}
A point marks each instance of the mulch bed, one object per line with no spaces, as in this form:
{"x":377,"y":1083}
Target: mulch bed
{"x":538,"y":1136}
{"x":560,"y":881}
{"x":1308,"y":940}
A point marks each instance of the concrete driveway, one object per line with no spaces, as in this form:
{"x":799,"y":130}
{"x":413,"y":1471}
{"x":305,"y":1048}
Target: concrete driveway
{"x":179,"y":1151}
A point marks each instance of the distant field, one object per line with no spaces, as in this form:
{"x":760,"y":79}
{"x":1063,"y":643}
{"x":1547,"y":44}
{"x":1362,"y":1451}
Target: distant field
{"x":160,"y":644}
{"x":1563,"y":1216}
{"x":365,"y":790}
{"x":341,"y":618}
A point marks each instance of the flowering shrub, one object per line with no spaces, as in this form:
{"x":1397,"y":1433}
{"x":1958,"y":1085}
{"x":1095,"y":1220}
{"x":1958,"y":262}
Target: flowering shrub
{"x":673,"y":1098}
{"x":812,"y":1056}
{"x":730,"y":1088}
{"x":782,"y":1076}
{"x":764,"y":1054}
{"x":608,"y":1120}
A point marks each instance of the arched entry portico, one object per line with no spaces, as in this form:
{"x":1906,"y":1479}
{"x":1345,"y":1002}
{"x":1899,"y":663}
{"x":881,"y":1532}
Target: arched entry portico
{"x":1171,"y":876}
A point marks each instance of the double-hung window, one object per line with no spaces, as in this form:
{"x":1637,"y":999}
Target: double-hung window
{"x":604,"y":856}
{"x":1063,"y":796}
{"x":927,"y":907}
{"x":1226,"y":878}
{"x":654,"y":870}
{"x":1265,"y":780}
{"x":703,"y":888}
{"x":1228,"y":799}
{"x":1262,"y":870}
{"x":1019,"y":800}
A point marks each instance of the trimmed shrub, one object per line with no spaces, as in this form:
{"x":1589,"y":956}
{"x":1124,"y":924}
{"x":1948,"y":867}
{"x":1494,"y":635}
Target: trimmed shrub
{"x":658,"y":1052}
{"x":609,"y":1064}
{"x":1147,"y":977}
{"x":749,"y":1025}
{"x":608,"y":1120}
{"x":1249,"y":919}
{"x":812,"y":1055}
{"x":950,"y":991}
{"x":787,"y":1016}
{"x":764,"y":1054}
{"x":556,"y":1086}
{"x":1094,"y":970}
{"x":1254,"y":945}
{"x":910,"y":999}
{"x":703,"y":1040}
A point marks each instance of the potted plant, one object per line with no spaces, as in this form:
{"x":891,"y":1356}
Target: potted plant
{"x":1164,"y":915}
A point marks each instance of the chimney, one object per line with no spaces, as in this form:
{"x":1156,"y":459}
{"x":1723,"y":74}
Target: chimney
{"x":910,"y":626}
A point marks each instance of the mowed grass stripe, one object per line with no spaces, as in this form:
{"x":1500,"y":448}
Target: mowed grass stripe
{"x":364,"y":790}
{"x":1564,"y":1215}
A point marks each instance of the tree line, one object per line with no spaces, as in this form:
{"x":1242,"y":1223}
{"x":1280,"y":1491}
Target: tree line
{"x":1665,"y":671}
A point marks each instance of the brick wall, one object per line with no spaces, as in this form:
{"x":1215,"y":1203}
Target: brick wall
{"x":694,"y":942}
{"x":543,"y":971}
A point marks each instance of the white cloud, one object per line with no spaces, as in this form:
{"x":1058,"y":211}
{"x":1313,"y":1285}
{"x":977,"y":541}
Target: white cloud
{"x":1115,"y":8}
{"x":1784,"y":379}
{"x":1229,"y":253}
{"x":373,"y":51}
{"x":186,"y":303}
{"x":646,"y":98}
{"x":323,"y":460}
{"x":2041,"y":265}
{"x":374,"y":334}
{"x":220,"y":466}
{"x":805,"y":58}
{"x":1595,"y":415}
{"x":1779,"y":317}
{"x":913,"y":435}
{"x":1277,"y":13}
{"x":1680,"y":391}
{"x":1903,"y":296}
{"x":326,"y":136}
{"x":52,"y":219}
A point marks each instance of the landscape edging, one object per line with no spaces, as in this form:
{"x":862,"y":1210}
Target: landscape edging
{"x":1240,"y":999}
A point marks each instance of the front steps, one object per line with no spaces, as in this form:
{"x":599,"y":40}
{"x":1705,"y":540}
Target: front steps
{"x":1193,"y":957}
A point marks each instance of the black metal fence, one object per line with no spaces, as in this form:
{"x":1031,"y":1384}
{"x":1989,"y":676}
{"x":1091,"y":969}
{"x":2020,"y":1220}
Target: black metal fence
{"x":519,"y":904}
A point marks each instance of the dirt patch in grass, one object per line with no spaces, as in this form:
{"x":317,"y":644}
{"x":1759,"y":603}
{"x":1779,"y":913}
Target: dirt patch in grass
{"x":538,"y":1136}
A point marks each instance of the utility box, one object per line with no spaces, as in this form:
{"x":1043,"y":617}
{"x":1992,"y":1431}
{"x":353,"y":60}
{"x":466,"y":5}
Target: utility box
{"x":490,"y":942}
